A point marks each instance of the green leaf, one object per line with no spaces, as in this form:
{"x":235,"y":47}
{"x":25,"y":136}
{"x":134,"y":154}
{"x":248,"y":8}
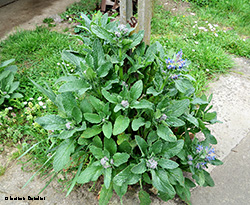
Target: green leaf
{"x":177,"y":107}
{"x":72,"y":58}
{"x":122,"y":137}
{"x":120,"y":158}
{"x":142,"y":144}
{"x":102,"y":33}
{"x":63,"y":153}
{"x":78,"y":85}
{"x":65,"y":134}
{"x":209,"y":116}
{"x":51,"y":122}
{"x":121,"y":124}
{"x":108,"y":96}
{"x":97,"y":142}
{"x":191,"y":119}
{"x":137,"y":38}
{"x":172,"y":149}
{"x":85,"y":106}
{"x":157,"y":147}
{"x":166,"y":133}
{"x":210,"y":139}
{"x":178,"y":175}
{"x":77,"y":114}
{"x":161,"y":182}
{"x":139,"y":168}
{"x":137,"y":123}
{"x":216,"y":162}
{"x":120,"y":190}
{"x":126,"y":177}
{"x":92,"y":117}
{"x":110,"y":145}
{"x":97,"y":104}
{"x":91,"y":173}
{"x":66,"y":103}
{"x":167,"y":164}
{"x":107,"y":129}
{"x":143,"y":104}
{"x":91,"y":132}
{"x":136,"y":90}
{"x":144,"y":198}
{"x":104,"y":69}
{"x":174,"y":122}
{"x":107,"y":177}
{"x":16,"y":95}
{"x":183,"y":85}
{"x":208,"y":179}
{"x":152,"y":91}
{"x":106,"y":195}
{"x":97,"y":152}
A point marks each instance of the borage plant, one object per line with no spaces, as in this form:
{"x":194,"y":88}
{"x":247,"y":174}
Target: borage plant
{"x":129,"y":113}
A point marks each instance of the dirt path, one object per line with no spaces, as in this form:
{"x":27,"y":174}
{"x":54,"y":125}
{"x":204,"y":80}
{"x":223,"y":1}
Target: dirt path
{"x":26,"y":14}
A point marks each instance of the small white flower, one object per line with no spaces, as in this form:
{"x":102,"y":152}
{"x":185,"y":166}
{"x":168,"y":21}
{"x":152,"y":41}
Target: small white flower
{"x":63,"y":63}
{"x":25,"y":103}
{"x":58,"y":63}
{"x":193,"y":14}
{"x":224,"y":31}
{"x":10,"y":108}
{"x":201,"y":28}
{"x":68,"y":125}
{"x":173,"y":9}
{"x":206,"y":21}
{"x":72,"y":70}
{"x":207,"y":70}
{"x":31,"y":98}
{"x":70,"y":19}
{"x":194,"y":26}
{"x":76,"y":98}
{"x":194,"y":34}
{"x":39,"y":98}
{"x":196,"y":42}
{"x":4,"y":93}
{"x":44,"y":107}
{"x":85,"y":72}
{"x":195,"y":22}
{"x":216,"y":34}
{"x":40,"y":103}
{"x":244,"y":39}
{"x":215,"y":25}
{"x":205,"y":30}
{"x":193,"y":50}
{"x":67,"y":65}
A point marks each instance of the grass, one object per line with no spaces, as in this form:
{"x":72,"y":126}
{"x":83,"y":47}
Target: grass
{"x":206,"y":39}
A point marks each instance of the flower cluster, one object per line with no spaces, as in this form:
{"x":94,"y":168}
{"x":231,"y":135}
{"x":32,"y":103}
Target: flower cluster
{"x":151,"y":163}
{"x":202,"y":157}
{"x":176,"y":63}
{"x":106,"y":163}
{"x":122,"y":30}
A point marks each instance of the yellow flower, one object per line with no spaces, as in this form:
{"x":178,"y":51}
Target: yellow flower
{"x":183,"y":16}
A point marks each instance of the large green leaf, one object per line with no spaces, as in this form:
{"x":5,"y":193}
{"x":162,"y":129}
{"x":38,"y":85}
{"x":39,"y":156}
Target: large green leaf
{"x":137,"y":38}
{"x":137,"y":123}
{"x":178,"y":175}
{"x":166,"y":133}
{"x":106,"y":195}
{"x":97,"y":152}
{"x":104,"y":69}
{"x":174,"y":122}
{"x":66,"y":102}
{"x":91,"y":132}
{"x":65,"y":134}
{"x":142,"y":104}
{"x":63,"y":153}
{"x":78,"y":85}
{"x":77,"y":114}
{"x":91,"y":173}
{"x":161,"y":182}
{"x":120,"y":158}
{"x":97,"y":104}
{"x":177,"y":107}
{"x":167,"y":164}
{"x":126,"y":177}
{"x":171,"y":149}
{"x":120,"y":190}
{"x":72,"y":58}
{"x":183,"y":85}
{"x":107,"y":129}
{"x":109,"y":97}
{"x":144,"y":198}
{"x":110,"y":145}
{"x":107,"y":177}
{"x":102,"y":33}
{"x":136,"y":90}
{"x":139,"y":168}
{"x":191,"y":119}
{"x":52,"y":122}
{"x":121,"y":124}
{"x":142,"y":144}
{"x":92,"y":117}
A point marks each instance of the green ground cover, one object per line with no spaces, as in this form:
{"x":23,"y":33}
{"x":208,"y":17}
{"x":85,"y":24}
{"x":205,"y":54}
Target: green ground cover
{"x":207,"y":39}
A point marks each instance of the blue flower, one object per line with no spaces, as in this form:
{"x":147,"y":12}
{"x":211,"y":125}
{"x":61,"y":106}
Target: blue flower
{"x":175,"y":77}
{"x":190,"y":157}
{"x":151,"y":163}
{"x":199,"y":148}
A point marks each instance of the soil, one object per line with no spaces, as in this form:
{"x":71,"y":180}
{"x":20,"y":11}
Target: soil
{"x":231,"y":100}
